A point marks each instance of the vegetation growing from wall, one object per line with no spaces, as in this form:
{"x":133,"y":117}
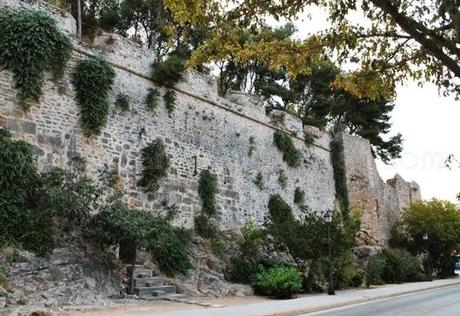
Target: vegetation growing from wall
{"x":170,"y":100}
{"x":291,"y":155}
{"x":340,"y":180}
{"x":122,"y":102}
{"x":259,"y":181}
{"x":207,"y":190}
{"x":93,"y":79}
{"x":252,"y":146}
{"x":30,"y":44}
{"x":309,"y":139}
{"x":169,"y":72}
{"x":117,"y":223}
{"x":152,"y":99}
{"x":155,"y":162}
{"x":299,"y":196}
{"x":282,"y":178}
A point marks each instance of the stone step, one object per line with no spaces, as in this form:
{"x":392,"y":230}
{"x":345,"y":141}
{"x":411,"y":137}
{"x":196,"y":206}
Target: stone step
{"x":148,"y":282}
{"x":143,"y":273}
{"x":155,"y":290}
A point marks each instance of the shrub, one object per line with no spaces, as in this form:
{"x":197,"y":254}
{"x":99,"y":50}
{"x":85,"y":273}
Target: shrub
{"x":280,"y":281}
{"x":117,"y":223}
{"x":155,"y":161}
{"x":251,"y":240}
{"x":393,"y":266}
{"x":170,"y":99}
{"x":152,"y":99}
{"x":277,"y":118}
{"x":204,"y":226}
{"x":340,"y":179}
{"x":299,"y":196}
{"x":168,"y":72}
{"x":31,"y":43}
{"x":283,"y":142}
{"x":122,"y":102}
{"x":252,"y":146}
{"x":242,"y":270}
{"x":259,"y":181}
{"x":93,"y":79}
{"x":309,"y":139}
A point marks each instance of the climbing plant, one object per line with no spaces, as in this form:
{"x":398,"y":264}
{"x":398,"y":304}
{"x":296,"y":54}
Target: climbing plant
{"x":30,"y":44}
{"x":299,"y":196}
{"x":155,"y":161}
{"x":282,"y":178}
{"x":340,"y":180}
{"x":122,"y":102}
{"x":259,"y":181}
{"x":169,"y":72}
{"x":291,"y":155}
{"x":170,"y":101}
{"x":93,"y":79}
{"x":152,"y":99}
{"x":207,"y":190}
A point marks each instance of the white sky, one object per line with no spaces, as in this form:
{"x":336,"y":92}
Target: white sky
{"x":428,"y":122}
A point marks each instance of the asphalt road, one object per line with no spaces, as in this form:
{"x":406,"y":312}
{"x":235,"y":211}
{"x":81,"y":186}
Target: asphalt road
{"x":439,"y":302}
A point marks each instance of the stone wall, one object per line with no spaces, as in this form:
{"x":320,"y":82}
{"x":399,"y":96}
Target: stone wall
{"x":215,"y":130}
{"x":381,"y":203}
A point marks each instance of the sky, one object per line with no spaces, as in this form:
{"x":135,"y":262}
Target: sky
{"x":428,"y":122}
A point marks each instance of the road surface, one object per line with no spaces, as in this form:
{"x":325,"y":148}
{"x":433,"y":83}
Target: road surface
{"x":438,"y":302}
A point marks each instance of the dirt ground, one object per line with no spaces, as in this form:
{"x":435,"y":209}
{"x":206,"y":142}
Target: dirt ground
{"x":122,"y":307}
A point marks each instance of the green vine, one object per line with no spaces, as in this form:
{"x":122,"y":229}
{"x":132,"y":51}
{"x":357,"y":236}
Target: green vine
{"x":170,"y":101}
{"x":207,"y":190}
{"x":152,"y":99}
{"x":93,"y":79}
{"x":259,"y":181}
{"x":291,"y":155}
{"x":340,"y":180}
{"x":299,"y":196}
{"x":122,"y":102}
{"x":30,"y":44}
{"x":282,"y":178}
{"x":168,"y":72}
{"x":155,"y":161}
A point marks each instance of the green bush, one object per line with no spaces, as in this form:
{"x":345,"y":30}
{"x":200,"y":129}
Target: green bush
{"x":291,"y":155}
{"x":152,"y":99}
{"x":205,"y":226}
{"x":170,"y":99}
{"x":117,"y":223}
{"x":168,"y":72}
{"x":280,"y":281}
{"x":30,"y":44}
{"x":299,"y":196}
{"x":340,"y":179}
{"x":282,"y":178}
{"x":207,"y":190}
{"x":242,"y":270}
{"x":393,"y":266}
{"x":122,"y":102}
{"x":259,"y":181}
{"x":309,"y":139}
{"x":93,"y":79}
{"x":155,"y":161}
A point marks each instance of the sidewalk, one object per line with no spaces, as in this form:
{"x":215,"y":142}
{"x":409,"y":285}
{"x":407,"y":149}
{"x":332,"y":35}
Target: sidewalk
{"x":309,"y":303}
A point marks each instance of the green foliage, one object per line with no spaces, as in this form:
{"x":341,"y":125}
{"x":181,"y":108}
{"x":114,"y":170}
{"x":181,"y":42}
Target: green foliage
{"x":242,"y":270}
{"x":291,"y":155}
{"x":252,"y":146}
{"x":340,"y":180}
{"x":309,"y":139}
{"x":280,"y":281}
{"x":205,"y":226}
{"x":259,"y":181}
{"x":93,"y":79}
{"x":168,"y":72}
{"x":117,"y":223}
{"x":251,"y":240}
{"x":122,"y":102}
{"x":155,"y":162}
{"x":277,"y":118}
{"x":218,"y":247}
{"x":440,"y":220}
{"x":299,"y":196}
{"x":346,"y":272}
{"x":393,"y":266}
{"x":152,"y":99}
{"x":207,"y":190}
{"x":282,"y":178}
{"x":30,"y":44}
{"x":170,"y":100}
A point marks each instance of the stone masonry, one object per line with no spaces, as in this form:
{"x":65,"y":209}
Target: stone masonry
{"x":215,"y":130}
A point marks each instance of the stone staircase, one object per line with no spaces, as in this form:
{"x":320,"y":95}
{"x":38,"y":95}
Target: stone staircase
{"x":145,"y":285}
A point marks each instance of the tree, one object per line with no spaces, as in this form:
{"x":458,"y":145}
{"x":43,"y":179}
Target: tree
{"x":399,"y":40}
{"x":305,"y":238}
{"x":440,"y":221}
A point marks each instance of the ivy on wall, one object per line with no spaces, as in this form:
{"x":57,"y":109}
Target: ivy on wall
{"x":291,"y":155}
{"x":207,"y":190}
{"x":152,"y":99}
{"x":340,"y":179}
{"x":170,"y":101}
{"x":93,"y":79}
{"x":30,"y":44}
{"x":155,"y":161}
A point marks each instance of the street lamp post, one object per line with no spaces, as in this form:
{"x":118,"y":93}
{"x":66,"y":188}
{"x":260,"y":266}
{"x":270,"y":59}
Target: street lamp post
{"x":427,"y":255}
{"x":328,"y":220}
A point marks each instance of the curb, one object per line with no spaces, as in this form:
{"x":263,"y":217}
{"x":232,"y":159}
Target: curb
{"x":356,"y":301}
